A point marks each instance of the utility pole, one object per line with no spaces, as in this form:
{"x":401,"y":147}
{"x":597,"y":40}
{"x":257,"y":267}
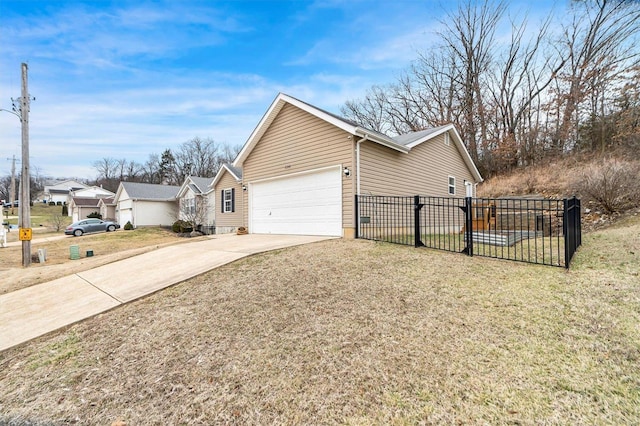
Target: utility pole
{"x":24,"y":213}
{"x":24,"y":220}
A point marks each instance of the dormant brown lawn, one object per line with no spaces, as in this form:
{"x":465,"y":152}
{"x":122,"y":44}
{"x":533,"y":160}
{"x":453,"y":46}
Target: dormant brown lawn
{"x":107,"y":247}
{"x":357,"y":333}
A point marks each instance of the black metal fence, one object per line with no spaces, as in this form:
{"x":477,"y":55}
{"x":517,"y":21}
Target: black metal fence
{"x":542,"y":231}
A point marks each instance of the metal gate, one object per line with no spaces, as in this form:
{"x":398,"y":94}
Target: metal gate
{"x":532,"y":230}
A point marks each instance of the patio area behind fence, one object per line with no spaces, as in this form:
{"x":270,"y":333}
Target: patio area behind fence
{"x":542,"y":231}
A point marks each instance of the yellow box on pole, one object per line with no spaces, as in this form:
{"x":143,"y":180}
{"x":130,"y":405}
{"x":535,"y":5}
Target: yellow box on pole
{"x":25,"y":234}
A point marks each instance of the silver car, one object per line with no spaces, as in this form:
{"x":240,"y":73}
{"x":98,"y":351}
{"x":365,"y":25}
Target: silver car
{"x":90,"y":225}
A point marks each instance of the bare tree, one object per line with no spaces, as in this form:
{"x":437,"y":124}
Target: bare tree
{"x":194,"y":210}
{"x":371,"y":111}
{"x":197,"y":157}
{"x":108,"y":177}
{"x":106,"y":168}
{"x":598,"y":43}
{"x":516,"y":100}
{"x":470,"y":36}
{"x":150,"y":172}
{"x":522,"y":76}
{"x":227,"y":154}
{"x":58,"y":221}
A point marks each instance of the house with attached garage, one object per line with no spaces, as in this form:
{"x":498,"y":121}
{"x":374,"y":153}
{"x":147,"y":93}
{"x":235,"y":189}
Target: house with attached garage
{"x":58,"y":191}
{"x":146,"y":204}
{"x":196,"y":203}
{"x":107,"y":208}
{"x":81,"y":207}
{"x":301,"y":168}
{"x":89,"y":192}
{"x":85,"y":201}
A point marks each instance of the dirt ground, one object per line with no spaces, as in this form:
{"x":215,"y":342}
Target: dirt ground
{"x":355,"y":333}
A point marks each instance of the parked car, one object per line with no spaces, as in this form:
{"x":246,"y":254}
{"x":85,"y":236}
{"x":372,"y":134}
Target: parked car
{"x":90,"y":225}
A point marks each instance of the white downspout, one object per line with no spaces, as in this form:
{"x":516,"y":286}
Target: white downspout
{"x":358,"y":176}
{"x":365,"y":138}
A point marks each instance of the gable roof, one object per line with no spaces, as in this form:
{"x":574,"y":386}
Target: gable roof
{"x":198,"y":185}
{"x":348,"y":126}
{"x":413,"y":139}
{"x":106,"y":201}
{"x":85,"y":201}
{"x":64,"y":185}
{"x":236,"y":172}
{"x":148,"y":191}
{"x":402,"y":143}
{"x":97,"y":190}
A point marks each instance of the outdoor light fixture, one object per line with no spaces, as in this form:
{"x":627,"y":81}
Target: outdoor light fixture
{"x":346,"y":172}
{"x":244,"y":187}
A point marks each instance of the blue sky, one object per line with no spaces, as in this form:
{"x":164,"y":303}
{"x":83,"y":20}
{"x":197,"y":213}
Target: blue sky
{"x":126,"y":79}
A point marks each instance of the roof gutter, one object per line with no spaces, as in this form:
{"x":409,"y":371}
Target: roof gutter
{"x":382,"y":140}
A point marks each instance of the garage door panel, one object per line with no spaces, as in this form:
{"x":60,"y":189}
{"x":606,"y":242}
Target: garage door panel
{"x":309,"y":204}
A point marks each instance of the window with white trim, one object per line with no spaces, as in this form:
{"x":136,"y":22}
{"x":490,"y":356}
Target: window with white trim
{"x":447,"y":140}
{"x":189,"y":206}
{"x":452,"y":185}
{"x":228,"y":200}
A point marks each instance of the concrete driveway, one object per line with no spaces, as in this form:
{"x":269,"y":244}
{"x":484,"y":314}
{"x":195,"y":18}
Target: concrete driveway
{"x":40,"y":309}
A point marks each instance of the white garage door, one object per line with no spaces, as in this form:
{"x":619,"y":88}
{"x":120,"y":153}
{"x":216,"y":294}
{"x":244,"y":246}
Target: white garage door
{"x":306,"y":204}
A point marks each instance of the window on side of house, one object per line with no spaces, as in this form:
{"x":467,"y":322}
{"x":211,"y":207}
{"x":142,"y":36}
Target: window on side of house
{"x":228,"y":200}
{"x":189,"y":205}
{"x":447,"y":140}
{"x":452,"y":185}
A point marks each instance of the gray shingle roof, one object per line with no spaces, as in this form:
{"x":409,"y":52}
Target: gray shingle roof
{"x":149,"y":191}
{"x":86,"y":202}
{"x":235,"y":170}
{"x":106,"y":201}
{"x":202,"y":183}
{"x":408,"y":138}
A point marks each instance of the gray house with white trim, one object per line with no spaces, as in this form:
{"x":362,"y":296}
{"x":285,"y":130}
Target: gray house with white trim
{"x":145,"y":204}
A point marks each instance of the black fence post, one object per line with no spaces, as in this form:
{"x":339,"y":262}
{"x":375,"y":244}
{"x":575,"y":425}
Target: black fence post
{"x":572,"y":228}
{"x":579,"y":219}
{"x":566,"y":229}
{"x":357,"y":218}
{"x":468,"y":225}
{"x":417,"y":238}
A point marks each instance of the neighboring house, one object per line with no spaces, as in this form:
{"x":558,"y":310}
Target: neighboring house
{"x":302,"y":167}
{"x":227,"y":190}
{"x":90,"y":192}
{"x":80,"y":207}
{"x":196,"y":202}
{"x":93,"y":192}
{"x":107,"y":208}
{"x":145,"y":204}
{"x":58,"y":191}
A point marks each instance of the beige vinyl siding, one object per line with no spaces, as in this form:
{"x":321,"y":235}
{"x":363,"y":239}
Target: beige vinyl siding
{"x":425,"y":170}
{"x":297,"y":141}
{"x":228,"y":220}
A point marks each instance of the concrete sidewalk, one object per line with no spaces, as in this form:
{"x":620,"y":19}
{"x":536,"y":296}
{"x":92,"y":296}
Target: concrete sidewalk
{"x":40,"y":309}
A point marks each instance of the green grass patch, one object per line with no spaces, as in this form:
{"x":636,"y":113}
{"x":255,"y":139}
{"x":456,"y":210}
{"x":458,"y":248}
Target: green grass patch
{"x":61,"y":350}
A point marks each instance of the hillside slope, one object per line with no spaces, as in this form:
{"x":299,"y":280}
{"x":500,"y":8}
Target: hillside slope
{"x":608,"y":186}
